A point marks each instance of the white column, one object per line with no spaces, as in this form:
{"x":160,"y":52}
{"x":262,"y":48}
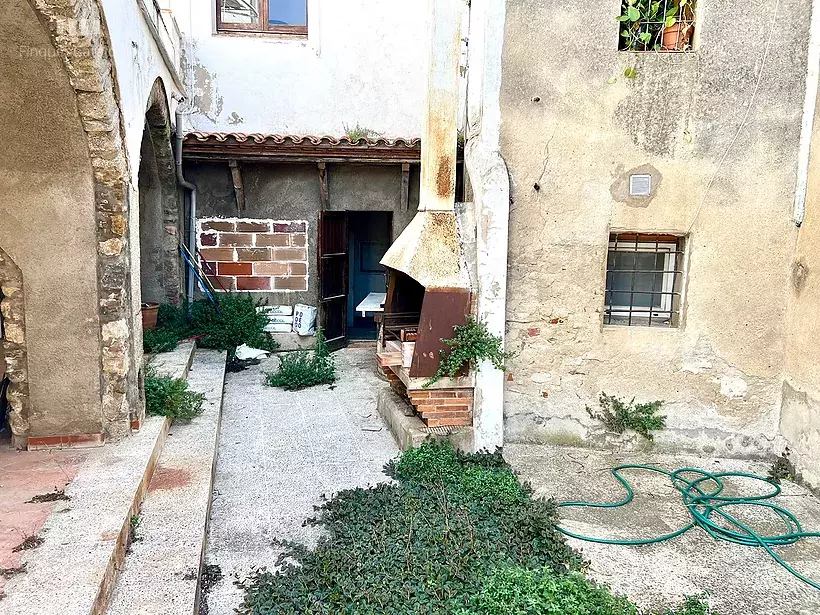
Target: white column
{"x":491,"y":189}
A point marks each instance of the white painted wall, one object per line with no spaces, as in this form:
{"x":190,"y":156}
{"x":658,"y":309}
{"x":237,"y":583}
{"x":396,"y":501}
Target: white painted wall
{"x":138,"y":63}
{"x":363,"y":62}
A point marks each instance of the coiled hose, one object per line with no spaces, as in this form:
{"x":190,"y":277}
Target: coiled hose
{"x":701,"y":492}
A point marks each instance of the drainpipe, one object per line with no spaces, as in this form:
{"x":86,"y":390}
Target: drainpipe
{"x":192,"y":208}
{"x":809,"y":108}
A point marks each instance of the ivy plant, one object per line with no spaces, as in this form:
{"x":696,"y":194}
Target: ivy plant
{"x":472,"y":344}
{"x":452,"y":534}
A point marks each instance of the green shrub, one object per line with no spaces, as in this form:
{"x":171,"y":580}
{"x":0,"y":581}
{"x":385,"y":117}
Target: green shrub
{"x":159,"y":340}
{"x":523,"y":591}
{"x":233,"y":321}
{"x":472,"y":344}
{"x":172,"y":326}
{"x":423,"y":544}
{"x":618,"y":416}
{"x":480,"y":476}
{"x":303,"y":369}
{"x":173,"y":318}
{"x":166,"y":396}
{"x":430,"y":543}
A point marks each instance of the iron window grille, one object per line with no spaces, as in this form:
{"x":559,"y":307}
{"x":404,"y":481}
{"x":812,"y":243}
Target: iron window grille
{"x":269,"y":16}
{"x":644,"y":276}
{"x":657,"y":25}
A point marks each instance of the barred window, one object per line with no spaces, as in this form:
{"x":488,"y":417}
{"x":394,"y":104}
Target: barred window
{"x":643,"y":280}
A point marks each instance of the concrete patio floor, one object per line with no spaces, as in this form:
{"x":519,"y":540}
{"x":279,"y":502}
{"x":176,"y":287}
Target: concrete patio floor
{"x":740,"y":580}
{"x":24,"y":475}
{"x":279,"y":452}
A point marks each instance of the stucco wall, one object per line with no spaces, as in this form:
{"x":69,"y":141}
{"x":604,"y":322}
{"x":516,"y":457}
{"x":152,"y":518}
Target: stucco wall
{"x":800,"y":419}
{"x":291,"y":192}
{"x":47,"y":225}
{"x":138,"y":64}
{"x":361,"y":64}
{"x":573,"y":128}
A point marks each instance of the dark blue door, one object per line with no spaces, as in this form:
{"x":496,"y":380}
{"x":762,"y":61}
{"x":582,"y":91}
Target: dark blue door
{"x":370,"y":236}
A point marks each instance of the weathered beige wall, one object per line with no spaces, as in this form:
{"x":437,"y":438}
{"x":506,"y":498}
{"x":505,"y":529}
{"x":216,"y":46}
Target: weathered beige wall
{"x":47,"y":225}
{"x":800,"y":418}
{"x":576,"y":127}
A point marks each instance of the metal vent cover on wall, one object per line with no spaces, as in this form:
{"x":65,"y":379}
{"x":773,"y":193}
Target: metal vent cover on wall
{"x":640,"y":185}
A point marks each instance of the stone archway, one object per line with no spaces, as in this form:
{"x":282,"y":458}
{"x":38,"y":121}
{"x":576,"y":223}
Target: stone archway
{"x":12,"y":309}
{"x":80,"y":39}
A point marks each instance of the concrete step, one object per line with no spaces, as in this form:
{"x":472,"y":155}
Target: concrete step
{"x":84,"y":541}
{"x":161,"y":571}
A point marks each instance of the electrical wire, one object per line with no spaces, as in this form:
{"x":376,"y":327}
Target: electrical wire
{"x":703,"y":496}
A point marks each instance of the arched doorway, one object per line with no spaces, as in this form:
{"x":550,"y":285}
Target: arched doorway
{"x":159,"y":216}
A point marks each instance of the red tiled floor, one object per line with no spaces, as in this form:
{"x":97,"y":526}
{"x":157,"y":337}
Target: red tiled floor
{"x":24,"y":475}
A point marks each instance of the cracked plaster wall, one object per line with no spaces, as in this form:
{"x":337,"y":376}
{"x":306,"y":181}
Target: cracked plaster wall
{"x":573,"y":128}
{"x":362,"y":63}
{"x":800,"y":418}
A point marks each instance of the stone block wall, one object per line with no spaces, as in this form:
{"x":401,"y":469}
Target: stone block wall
{"x":248,"y":254}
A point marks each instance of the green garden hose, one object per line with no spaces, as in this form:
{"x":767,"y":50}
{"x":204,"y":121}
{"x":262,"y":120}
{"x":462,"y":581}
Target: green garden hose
{"x":701,"y":495}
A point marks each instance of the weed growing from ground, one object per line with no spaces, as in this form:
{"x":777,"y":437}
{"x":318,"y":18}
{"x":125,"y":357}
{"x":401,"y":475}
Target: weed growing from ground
{"x":29,"y":542}
{"x":618,"y":416}
{"x":133,"y":530}
{"x":782,"y":469}
{"x":166,"y":396}
{"x":452,"y":534}
{"x":472,"y":344}
{"x":303,"y":369}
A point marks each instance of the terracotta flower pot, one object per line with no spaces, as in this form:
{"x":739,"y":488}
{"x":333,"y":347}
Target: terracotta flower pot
{"x":676,"y":37}
{"x":150,"y":312}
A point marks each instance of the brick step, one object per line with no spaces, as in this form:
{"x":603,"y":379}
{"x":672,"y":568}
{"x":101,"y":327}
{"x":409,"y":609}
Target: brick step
{"x":162,"y":568}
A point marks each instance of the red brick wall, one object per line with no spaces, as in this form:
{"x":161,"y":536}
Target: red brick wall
{"x":254,"y":255}
{"x":440,"y":407}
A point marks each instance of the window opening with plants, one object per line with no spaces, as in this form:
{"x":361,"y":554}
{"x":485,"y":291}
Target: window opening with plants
{"x":643,"y":280}
{"x":657,"y":25}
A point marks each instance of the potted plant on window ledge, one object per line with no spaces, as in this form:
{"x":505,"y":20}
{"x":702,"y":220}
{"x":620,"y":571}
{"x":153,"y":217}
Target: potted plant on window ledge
{"x":655,"y":25}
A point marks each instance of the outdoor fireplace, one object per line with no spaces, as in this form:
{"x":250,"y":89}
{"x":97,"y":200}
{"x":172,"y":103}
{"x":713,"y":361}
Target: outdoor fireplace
{"x":429,"y":285}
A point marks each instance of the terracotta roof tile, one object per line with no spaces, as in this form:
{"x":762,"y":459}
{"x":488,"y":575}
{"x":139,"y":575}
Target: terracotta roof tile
{"x":221,"y":145}
{"x":241,"y":137}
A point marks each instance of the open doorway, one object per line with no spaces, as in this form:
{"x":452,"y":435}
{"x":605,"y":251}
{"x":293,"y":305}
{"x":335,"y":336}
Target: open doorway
{"x":351,"y":244}
{"x":369,"y":236}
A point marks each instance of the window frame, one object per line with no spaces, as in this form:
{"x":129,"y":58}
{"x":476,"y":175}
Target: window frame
{"x":671,"y":293}
{"x":262,"y":27}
